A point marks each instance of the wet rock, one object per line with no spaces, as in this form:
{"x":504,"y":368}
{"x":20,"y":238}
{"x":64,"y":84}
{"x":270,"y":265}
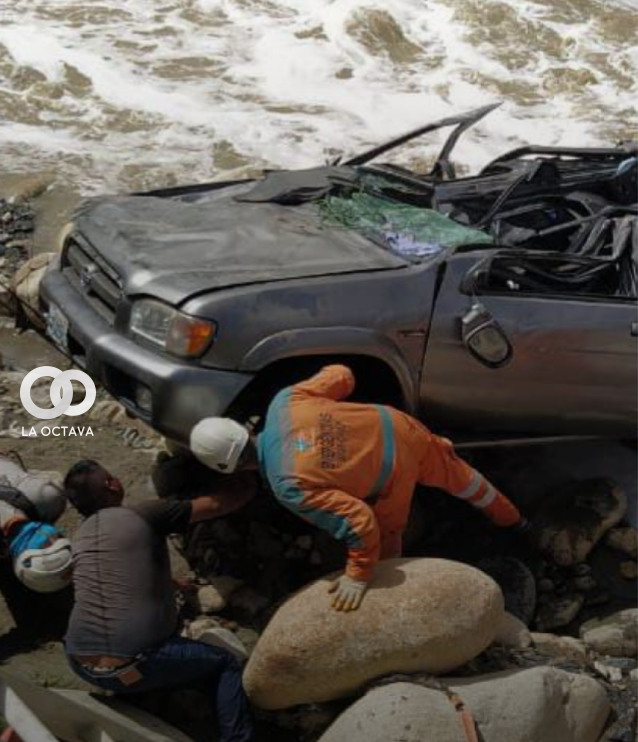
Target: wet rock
{"x":214,"y":597}
{"x":623,"y":539}
{"x":420,"y":614}
{"x":542,"y":704}
{"x":629,"y":570}
{"x":512,"y":633}
{"x":560,"y":647}
{"x":517,"y":583}
{"x":615,"y":635}
{"x":573,"y":520}
{"x":558,"y":611}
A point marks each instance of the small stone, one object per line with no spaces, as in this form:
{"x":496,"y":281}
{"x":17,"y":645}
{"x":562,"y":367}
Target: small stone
{"x":512,"y":633}
{"x":213,"y":598}
{"x":629,"y":570}
{"x":623,"y":539}
{"x":560,"y":647}
{"x":615,"y":635}
{"x":559,"y":611}
{"x":572,"y":521}
{"x":613,"y":674}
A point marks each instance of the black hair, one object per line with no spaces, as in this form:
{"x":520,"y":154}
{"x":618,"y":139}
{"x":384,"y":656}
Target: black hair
{"x":77,"y":488}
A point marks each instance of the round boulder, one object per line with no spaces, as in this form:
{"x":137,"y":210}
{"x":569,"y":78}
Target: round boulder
{"x":429,"y":615}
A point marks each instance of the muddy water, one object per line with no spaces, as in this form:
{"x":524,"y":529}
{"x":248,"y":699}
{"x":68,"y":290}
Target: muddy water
{"x":114,"y":96}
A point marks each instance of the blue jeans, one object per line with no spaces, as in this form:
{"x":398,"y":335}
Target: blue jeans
{"x":180,"y":662}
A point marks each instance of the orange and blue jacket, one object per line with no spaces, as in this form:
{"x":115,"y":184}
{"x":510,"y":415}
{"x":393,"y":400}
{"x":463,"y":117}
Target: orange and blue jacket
{"x":351,"y":469}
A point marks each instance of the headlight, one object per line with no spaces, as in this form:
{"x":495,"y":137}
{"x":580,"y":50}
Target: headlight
{"x":169,"y":329}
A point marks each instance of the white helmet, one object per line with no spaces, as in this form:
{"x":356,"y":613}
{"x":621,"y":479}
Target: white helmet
{"x":45,"y":570}
{"x":218,"y":442}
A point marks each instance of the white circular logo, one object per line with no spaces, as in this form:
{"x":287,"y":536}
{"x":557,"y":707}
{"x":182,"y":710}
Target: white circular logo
{"x":61,"y":392}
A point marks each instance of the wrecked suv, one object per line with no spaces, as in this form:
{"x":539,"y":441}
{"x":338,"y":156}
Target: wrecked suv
{"x":499,"y":305}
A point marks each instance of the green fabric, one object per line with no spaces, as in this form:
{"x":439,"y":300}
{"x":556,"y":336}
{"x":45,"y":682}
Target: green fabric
{"x":379,"y":216}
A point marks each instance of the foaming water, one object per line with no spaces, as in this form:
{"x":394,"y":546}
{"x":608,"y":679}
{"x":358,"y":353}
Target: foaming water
{"x":117,"y":96}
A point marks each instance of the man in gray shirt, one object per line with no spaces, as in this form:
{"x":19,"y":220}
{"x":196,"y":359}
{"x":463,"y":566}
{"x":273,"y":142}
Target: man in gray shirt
{"x":122,"y":635}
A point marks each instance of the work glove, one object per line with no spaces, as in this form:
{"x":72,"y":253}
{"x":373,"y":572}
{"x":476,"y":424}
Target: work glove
{"x":348,"y":593}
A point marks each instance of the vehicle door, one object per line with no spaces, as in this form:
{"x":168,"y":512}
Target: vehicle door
{"x":556,"y":362}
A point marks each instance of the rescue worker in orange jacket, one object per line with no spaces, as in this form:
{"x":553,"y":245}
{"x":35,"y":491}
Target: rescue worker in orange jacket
{"x":348,"y":468}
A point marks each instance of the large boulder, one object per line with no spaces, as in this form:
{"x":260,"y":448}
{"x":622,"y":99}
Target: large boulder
{"x":573,"y":520}
{"x":430,"y":615}
{"x":543,"y":704}
{"x":616,"y":635}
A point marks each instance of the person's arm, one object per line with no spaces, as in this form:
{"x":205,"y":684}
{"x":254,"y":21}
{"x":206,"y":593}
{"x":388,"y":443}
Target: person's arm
{"x":344,"y":517}
{"x":444,"y":469}
{"x":229,"y":495}
{"x":332,"y":382}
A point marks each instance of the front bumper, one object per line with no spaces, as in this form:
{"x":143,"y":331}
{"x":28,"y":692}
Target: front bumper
{"x":175,"y":394}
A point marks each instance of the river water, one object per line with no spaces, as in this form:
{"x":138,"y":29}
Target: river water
{"x":114,"y":96}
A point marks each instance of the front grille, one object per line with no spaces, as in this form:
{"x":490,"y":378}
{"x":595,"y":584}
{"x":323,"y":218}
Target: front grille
{"x":93,"y":278}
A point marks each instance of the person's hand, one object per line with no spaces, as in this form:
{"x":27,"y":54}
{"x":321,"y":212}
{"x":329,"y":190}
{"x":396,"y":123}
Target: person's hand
{"x":348,"y":593}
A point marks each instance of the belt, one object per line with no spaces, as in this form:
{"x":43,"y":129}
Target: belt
{"x":102,"y":662}
{"x":123,"y":669}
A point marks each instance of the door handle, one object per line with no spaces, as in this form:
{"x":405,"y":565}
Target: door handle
{"x":634,"y":329}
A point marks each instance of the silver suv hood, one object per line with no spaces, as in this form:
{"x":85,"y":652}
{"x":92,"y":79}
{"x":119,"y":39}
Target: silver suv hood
{"x":174,"y":248}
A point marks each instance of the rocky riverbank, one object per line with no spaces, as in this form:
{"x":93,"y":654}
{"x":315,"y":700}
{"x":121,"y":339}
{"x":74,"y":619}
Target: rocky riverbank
{"x":561,"y":624}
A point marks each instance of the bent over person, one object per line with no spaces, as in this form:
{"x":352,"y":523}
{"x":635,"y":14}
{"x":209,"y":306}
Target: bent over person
{"x":122,"y":635}
{"x":350,"y":469}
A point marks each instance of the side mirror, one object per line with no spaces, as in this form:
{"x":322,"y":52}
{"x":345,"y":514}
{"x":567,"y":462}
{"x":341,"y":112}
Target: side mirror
{"x":485,"y":338}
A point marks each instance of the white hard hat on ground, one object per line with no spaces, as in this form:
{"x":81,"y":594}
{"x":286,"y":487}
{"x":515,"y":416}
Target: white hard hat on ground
{"x":45,"y":570}
{"x":218,"y":442}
